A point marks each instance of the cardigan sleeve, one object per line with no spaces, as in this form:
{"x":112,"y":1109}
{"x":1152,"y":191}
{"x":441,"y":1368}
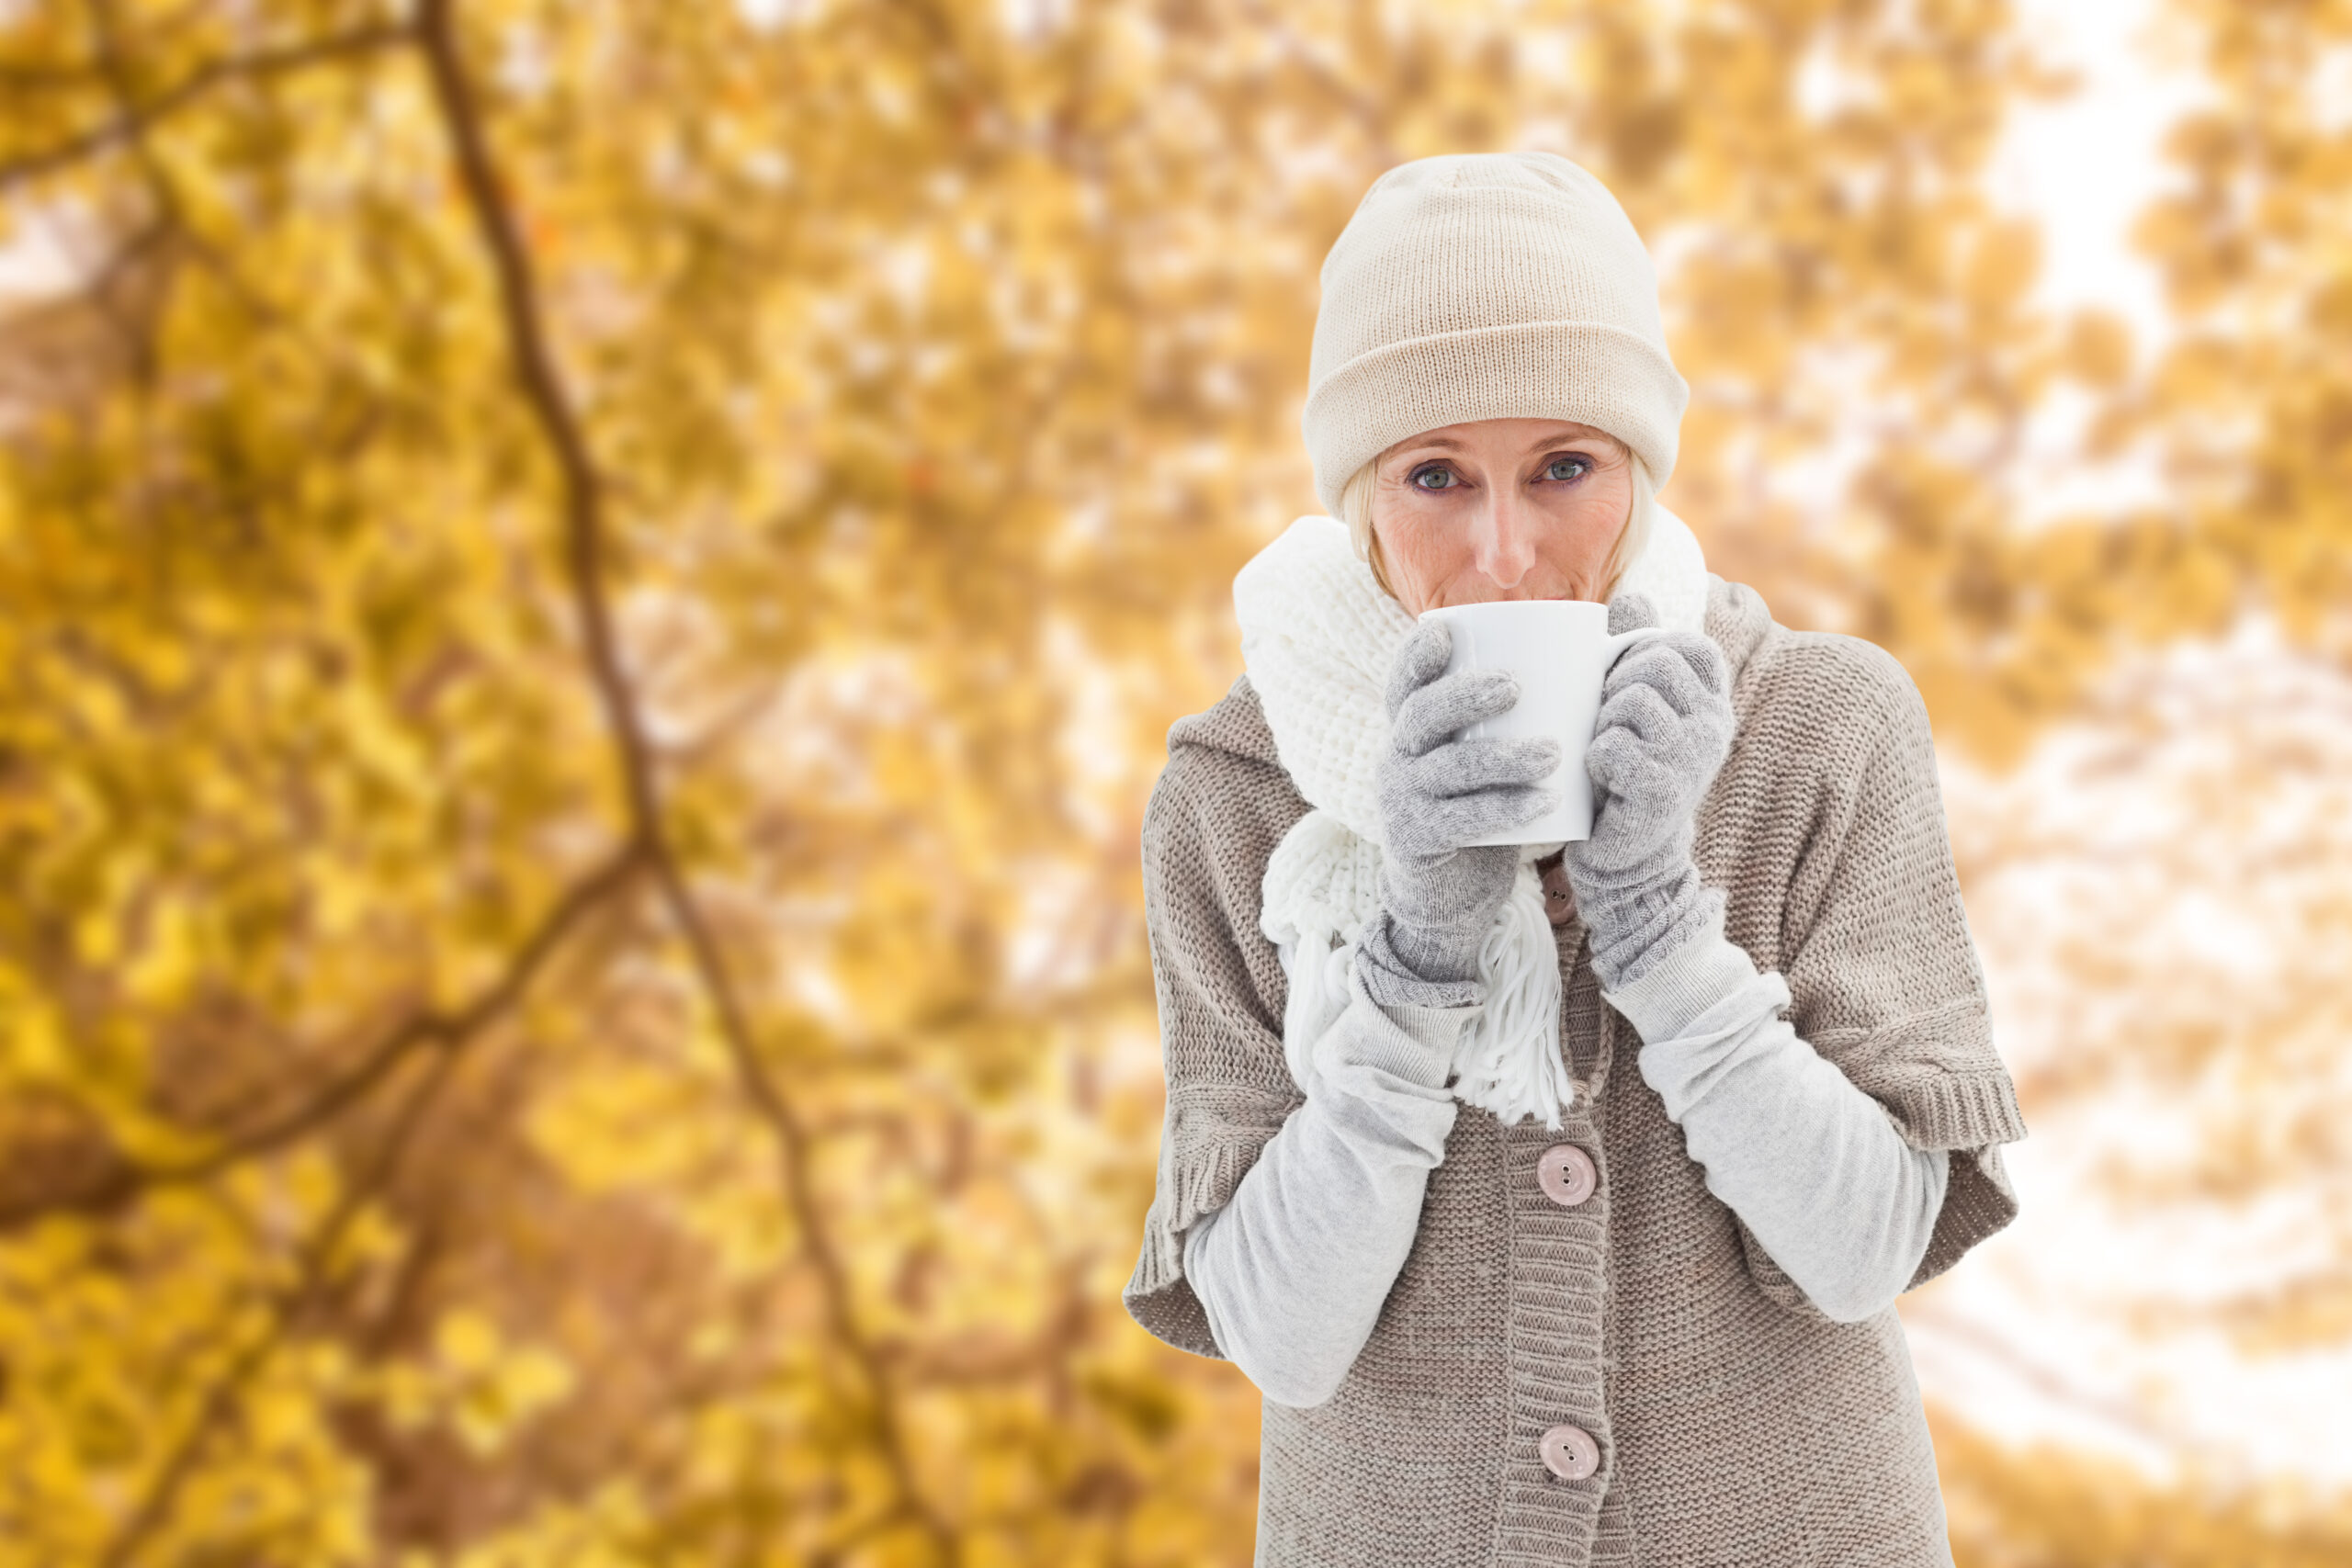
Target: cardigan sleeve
{"x":1885,"y":982}
{"x":1220,"y":991}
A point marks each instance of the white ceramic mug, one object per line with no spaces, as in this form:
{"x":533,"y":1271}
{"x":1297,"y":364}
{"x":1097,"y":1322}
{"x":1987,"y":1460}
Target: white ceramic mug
{"x":1560,"y":649}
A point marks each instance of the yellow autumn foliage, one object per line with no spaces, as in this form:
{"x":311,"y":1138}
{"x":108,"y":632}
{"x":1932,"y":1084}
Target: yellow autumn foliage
{"x":589,"y":597}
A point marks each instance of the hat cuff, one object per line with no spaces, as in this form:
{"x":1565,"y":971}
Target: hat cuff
{"x":1584,"y":371}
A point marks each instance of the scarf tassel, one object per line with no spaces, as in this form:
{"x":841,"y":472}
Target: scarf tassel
{"x":1497,"y":1069}
{"x":1508,"y":1062}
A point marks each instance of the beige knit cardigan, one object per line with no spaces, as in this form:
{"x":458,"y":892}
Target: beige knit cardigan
{"x":1737,"y":1423}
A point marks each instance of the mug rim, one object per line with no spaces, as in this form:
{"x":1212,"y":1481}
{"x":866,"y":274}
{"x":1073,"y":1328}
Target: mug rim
{"x":1514,"y":606}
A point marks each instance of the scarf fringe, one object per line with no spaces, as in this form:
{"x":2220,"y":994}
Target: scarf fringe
{"x":1510,"y":1061}
{"x":1322,"y":886}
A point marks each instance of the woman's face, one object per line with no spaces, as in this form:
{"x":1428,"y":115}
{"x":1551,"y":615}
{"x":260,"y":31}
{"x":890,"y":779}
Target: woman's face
{"x":1500,"y":509}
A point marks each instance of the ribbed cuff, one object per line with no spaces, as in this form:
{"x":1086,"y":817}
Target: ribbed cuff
{"x":1414,"y":1043}
{"x":1937,"y":1109}
{"x":1394,"y":981}
{"x":1432,"y":926}
{"x":1689,"y":980}
{"x":1636,"y":928}
{"x":1441,"y":955}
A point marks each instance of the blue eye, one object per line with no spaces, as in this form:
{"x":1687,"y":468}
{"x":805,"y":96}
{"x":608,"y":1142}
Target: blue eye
{"x":1433,"y":477}
{"x":1567,"y":468}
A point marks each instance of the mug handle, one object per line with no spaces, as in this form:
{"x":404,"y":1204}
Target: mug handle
{"x":1619,"y":641}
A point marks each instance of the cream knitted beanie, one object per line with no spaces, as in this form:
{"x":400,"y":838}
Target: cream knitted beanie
{"x":1487,"y":286}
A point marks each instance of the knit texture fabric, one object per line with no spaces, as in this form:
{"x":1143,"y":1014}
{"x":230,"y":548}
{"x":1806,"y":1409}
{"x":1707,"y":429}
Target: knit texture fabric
{"x":1317,"y":639}
{"x":1737,"y":1424}
{"x":1664,"y":726}
{"x":1487,"y":286}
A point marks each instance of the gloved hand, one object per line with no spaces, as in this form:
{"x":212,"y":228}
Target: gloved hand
{"x":1664,"y":729}
{"x":1437,"y":895}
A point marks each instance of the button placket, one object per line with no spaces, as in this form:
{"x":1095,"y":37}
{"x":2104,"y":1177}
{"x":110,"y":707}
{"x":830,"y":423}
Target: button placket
{"x":1559,"y":895}
{"x":1566,"y":1174}
{"x":1554,"y":1482}
{"x":1556,"y":1477}
{"x":1569,"y":1452}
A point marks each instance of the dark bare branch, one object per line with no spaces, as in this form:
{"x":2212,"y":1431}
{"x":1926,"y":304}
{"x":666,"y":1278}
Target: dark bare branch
{"x":317,"y":1269}
{"x":259,"y":64}
{"x":584,"y":517}
{"x":448,"y":1032}
{"x":17,"y":78}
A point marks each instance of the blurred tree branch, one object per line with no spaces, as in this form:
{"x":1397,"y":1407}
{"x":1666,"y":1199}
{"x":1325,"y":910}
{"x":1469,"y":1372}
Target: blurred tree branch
{"x":796,"y":456}
{"x":448,"y":1034}
{"x":258,"y":65}
{"x":543,"y":390}
{"x":316,"y":1270}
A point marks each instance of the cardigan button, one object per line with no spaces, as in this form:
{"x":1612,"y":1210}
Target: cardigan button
{"x":1566,"y":1175}
{"x":1559,"y":897}
{"x":1569,"y":1452}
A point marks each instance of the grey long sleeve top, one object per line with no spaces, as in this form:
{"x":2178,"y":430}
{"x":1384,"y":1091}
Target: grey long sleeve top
{"x":1292,"y":1273}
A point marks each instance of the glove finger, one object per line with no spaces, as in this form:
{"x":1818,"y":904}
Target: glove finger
{"x":1623,"y":768}
{"x":1709,"y":662}
{"x":1646,"y":664}
{"x":1711,"y":733}
{"x":1432,"y":830}
{"x":1686,"y":667}
{"x":1459,"y":818}
{"x":1676,"y":690}
{"x":1444,"y":706}
{"x":1631,"y":608}
{"x":1620,"y":852}
{"x":1418,"y":660}
{"x":1679,"y":769}
{"x":1705,"y":659}
{"x":1459,"y":767}
{"x":1643,"y":710}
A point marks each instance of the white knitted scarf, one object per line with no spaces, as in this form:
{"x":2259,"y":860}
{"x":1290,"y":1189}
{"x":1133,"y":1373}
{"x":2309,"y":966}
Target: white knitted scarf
{"x":1317,"y":636}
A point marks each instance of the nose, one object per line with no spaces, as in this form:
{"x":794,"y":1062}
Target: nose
{"x":1503,"y":539}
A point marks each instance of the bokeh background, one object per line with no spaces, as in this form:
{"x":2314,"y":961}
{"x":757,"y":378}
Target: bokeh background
{"x":589,"y":599}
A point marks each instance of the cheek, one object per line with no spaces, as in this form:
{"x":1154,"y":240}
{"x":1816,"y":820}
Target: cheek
{"x":1419,"y":540}
{"x":1584,"y":524}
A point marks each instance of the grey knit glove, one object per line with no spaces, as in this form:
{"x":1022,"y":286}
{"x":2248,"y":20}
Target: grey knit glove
{"x":1436,"y":894}
{"x":1663,"y":728}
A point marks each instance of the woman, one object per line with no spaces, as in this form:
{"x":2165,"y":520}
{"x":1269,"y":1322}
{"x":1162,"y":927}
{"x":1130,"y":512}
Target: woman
{"x":1506,"y":1302}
